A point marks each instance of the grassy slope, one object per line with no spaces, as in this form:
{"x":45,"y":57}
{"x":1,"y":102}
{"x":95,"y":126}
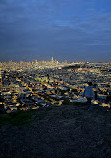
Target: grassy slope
{"x":67,"y":112}
{"x":58,"y":132}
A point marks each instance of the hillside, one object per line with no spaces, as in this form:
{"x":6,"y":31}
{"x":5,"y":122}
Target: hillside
{"x":68,"y":131}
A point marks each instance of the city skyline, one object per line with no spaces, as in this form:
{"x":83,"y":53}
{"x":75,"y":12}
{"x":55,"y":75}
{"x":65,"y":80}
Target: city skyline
{"x":72,"y":30}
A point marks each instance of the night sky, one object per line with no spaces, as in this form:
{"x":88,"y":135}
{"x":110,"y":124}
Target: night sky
{"x":73,"y":30}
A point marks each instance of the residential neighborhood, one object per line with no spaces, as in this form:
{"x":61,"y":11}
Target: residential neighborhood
{"x":31,"y":85}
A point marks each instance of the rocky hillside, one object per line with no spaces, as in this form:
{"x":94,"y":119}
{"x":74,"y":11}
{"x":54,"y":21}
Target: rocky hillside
{"x":69,"y":131}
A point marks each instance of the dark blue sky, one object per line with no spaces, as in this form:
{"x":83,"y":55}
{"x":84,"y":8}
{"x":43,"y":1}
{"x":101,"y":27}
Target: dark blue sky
{"x":73,"y":30}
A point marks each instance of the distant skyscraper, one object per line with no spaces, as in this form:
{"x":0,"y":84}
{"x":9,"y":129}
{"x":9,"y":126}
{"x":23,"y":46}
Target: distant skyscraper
{"x":52,"y":59}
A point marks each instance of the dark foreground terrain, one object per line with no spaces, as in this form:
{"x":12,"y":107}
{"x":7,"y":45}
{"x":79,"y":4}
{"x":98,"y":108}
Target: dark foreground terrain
{"x":59,"y":132}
